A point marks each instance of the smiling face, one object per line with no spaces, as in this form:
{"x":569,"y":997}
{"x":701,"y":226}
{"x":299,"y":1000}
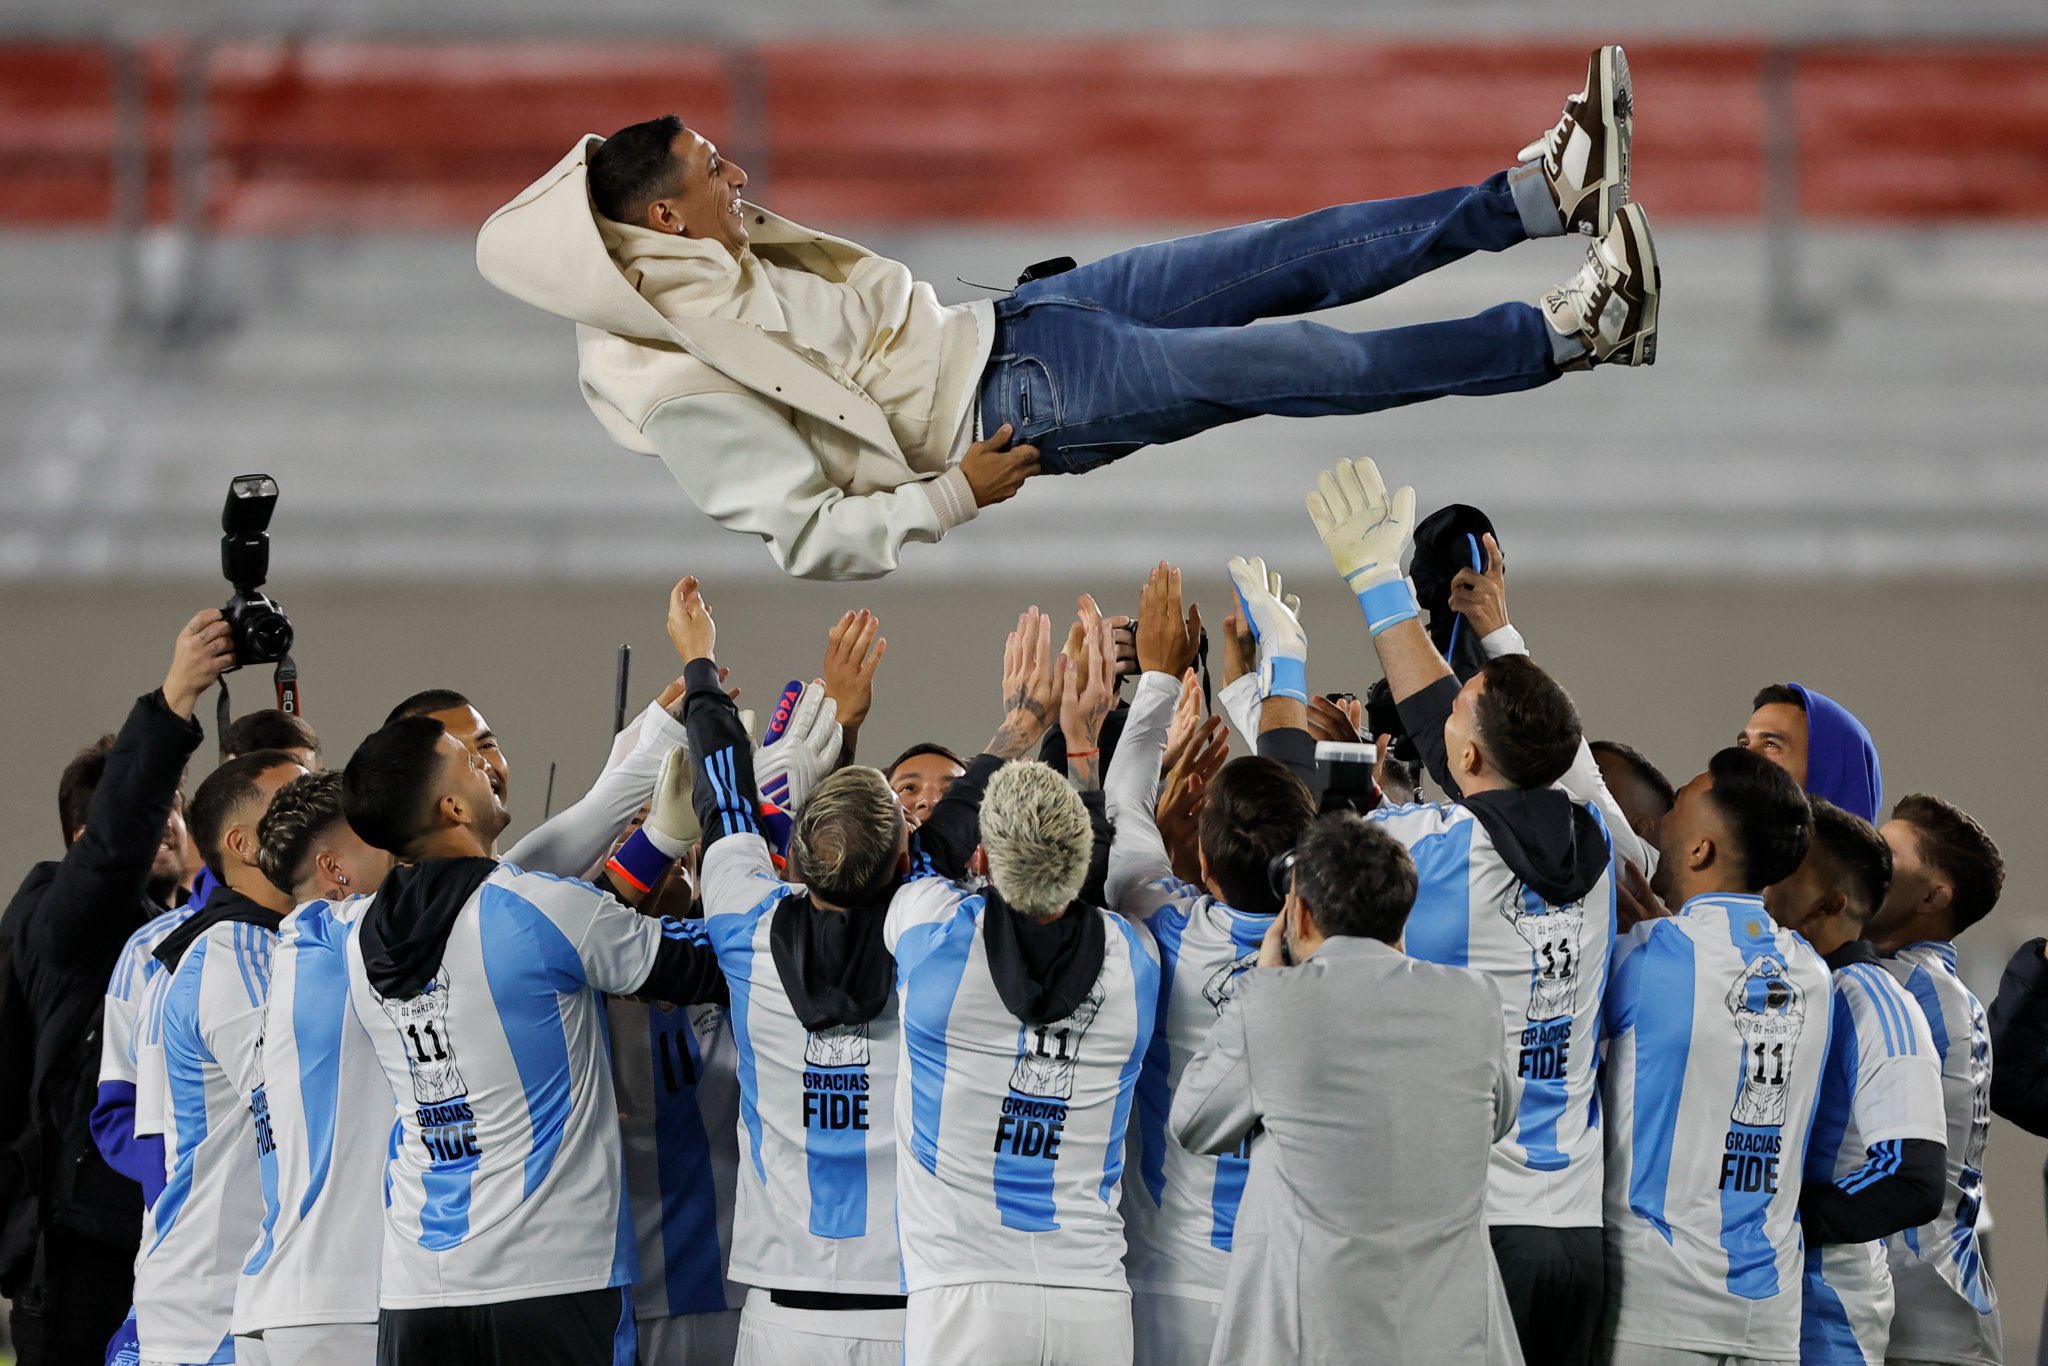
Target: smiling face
{"x":469,"y":779}
{"x":469,"y":728}
{"x":708,"y":204}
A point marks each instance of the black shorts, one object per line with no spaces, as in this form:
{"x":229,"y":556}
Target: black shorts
{"x":1556,"y":1280}
{"x":592,"y":1328}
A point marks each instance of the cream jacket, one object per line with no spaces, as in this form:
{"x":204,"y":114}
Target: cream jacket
{"x":809,"y":393}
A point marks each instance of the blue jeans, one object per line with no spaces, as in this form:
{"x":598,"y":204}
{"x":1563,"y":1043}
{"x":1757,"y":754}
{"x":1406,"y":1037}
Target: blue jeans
{"x":1150,"y":345}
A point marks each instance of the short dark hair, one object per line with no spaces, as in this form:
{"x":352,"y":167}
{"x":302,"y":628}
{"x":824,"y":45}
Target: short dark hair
{"x":1639,"y":764}
{"x":1855,"y":847}
{"x":1777,"y":694}
{"x":222,"y":796}
{"x":427,"y":702}
{"x":1354,"y":878}
{"x":268,"y":729}
{"x":81,"y":779}
{"x":299,"y":812}
{"x":1958,"y":847}
{"x":919,"y":751}
{"x":1526,"y":722}
{"x":634,"y":167}
{"x":1255,"y":812}
{"x":1771,"y":818}
{"x":388,"y":788}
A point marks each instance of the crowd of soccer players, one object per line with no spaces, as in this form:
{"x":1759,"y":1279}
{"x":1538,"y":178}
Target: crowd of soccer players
{"x":1092,"y":1045}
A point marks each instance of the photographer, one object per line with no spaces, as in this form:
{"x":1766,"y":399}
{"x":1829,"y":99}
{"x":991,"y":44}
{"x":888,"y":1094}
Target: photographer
{"x":1328,"y":1055}
{"x":68,"y":1249}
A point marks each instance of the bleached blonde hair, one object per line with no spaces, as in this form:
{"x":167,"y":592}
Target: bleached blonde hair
{"x":1037,"y":836}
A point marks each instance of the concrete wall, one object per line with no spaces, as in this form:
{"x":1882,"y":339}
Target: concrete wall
{"x":1946,"y":675}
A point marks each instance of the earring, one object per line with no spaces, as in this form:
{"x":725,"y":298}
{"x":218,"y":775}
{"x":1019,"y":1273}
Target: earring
{"x":341,"y":879}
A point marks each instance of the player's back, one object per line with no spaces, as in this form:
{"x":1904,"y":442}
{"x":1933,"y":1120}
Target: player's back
{"x":1180,"y":1208}
{"x":1012,"y":1137}
{"x":815,"y":1206}
{"x":506,"y":1180}
{"x":1543,"y":936}
{"x":326,"y":1103}
{"x":1945,"y":1306}
{"x":212,"y":1203}
{"x":1718,"y":1022}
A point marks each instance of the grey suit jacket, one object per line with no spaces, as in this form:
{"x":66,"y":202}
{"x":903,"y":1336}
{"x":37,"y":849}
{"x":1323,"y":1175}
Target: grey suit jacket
{"x":1382,"y":1084}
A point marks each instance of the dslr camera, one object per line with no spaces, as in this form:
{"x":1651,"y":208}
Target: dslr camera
{"x":262,"y":632}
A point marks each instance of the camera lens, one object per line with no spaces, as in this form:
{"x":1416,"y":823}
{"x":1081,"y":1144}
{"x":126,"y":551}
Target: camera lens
{"x":270,"y":636}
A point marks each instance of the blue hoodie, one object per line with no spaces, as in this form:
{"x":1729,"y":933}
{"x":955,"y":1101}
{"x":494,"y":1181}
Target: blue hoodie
{"x":1841,"y":758}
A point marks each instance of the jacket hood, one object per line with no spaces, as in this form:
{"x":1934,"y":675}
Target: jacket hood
{"x":1556,"y":846}
{"x":835,"y":967}
{"x":1841,"y":758}
{"x":1043,"y":969}
{"x":547,"y":247}
{"x":224,"y":904}
{"x":405,"y":929}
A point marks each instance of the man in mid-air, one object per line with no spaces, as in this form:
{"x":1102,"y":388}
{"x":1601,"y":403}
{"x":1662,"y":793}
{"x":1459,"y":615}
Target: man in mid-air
{"x":813,"y":394}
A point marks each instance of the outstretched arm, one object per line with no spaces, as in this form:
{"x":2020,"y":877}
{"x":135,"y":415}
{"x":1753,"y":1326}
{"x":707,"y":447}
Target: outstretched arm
{"x":747,"y":467}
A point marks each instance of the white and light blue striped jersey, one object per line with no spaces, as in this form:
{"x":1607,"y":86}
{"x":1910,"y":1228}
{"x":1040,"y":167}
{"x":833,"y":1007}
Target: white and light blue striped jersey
{"x":1717,"y":1027}
{"x":1945,"y":1307}
{"x":677,"y":1074}
{"x":329,"y":1111}
{"x":132,"y":971}
{"x":1180,"y":1208}
{"x":212,"y":1205}
{"x":1011,"y":1138}
{"x":506,"y":1182}
{"x":1881,"y":1086}
{"x":1550,"y":964}
{"x":815,"y":1207}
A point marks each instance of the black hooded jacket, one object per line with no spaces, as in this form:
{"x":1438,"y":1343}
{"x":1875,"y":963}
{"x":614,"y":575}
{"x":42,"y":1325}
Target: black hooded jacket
{"x":224,"y":905}
{"x":1552,"y":843}
{"x":61,"y":936}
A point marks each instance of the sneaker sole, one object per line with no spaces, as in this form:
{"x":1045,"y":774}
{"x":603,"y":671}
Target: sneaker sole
{"x":1616,"y":103}
{"x":1641,"y":349}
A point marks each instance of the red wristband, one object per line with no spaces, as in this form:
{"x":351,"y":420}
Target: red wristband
{"x":1083,"y":753}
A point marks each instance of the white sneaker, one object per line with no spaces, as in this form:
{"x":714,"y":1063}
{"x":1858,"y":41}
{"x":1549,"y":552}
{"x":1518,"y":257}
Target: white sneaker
{"x":1611,"y":304}
{"x":1586,"y":155}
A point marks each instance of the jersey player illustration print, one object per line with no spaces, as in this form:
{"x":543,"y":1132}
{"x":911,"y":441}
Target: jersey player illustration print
{"x":422,"y":1022}
{"x":1552,"y":934}
{"x":1045,"y":1063}
{"x":1770,"y":1012}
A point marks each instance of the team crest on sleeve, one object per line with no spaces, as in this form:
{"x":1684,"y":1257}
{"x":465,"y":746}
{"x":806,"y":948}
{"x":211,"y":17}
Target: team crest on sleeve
{"x":1770,"y":1011}
{"x":422,"y":1023}
{"x":1045,"y":1066}
{"x":1223,"y":981}
{"x":1552,"y":934}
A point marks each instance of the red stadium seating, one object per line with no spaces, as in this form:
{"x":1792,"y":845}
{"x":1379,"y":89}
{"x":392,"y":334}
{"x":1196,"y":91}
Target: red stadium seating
{"x":330,"y":135}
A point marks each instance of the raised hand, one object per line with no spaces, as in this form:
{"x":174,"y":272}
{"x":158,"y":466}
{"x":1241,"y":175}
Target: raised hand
{"x":690,"y":628}
{"x":1482,"y":598}
{"x":1185,"y":792}
{"x":853,"y":651}
{"x":1367,"y":533}
{"x":1167,"y":640}
{"x":1343,"y":722}
{"x":804,"y":753}
{"x":1087,"y":692}
{"x":1187,"y":719}
{"x":1030,"y":685}
{"x":203,"y":651}
{"x":1276,"y":626}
